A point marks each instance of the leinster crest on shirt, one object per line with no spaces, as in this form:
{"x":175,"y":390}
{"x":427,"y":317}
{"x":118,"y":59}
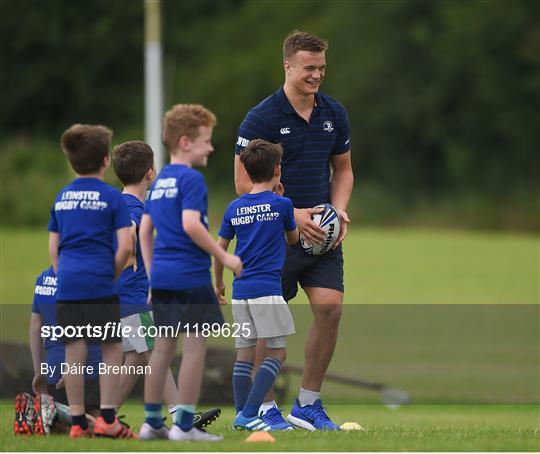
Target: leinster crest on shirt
{"x":327,"y":126}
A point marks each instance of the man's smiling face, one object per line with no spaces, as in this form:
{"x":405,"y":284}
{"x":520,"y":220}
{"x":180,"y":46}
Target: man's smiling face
{"x":304,"y":71}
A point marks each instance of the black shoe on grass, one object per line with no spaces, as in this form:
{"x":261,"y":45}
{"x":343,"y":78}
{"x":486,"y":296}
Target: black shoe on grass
{"x":204,"y":419}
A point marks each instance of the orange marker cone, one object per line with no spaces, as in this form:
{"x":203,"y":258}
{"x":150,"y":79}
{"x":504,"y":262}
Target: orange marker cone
{"x":260,"y":437}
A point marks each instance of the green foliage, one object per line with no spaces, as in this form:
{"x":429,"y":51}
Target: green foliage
{"x":443,"y":96}
{"x":32,"y":174}
{"x":69,"y":62}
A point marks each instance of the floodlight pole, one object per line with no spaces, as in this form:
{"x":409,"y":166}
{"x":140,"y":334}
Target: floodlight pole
{"x":153,"y":91}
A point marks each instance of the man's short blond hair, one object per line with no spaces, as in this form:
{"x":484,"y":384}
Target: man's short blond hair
{"x":185,"y":120}
{"x":297,"y":41}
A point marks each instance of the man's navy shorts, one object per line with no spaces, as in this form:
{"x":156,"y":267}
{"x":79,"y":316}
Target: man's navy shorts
{"x":323,"y":271}
{"x":186,"y":308}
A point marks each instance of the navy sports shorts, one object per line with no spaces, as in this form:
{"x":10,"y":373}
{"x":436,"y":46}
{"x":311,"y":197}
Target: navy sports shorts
{"x":95,"y":312}
{"x":186,"y":308}
{"x":323,"y":271}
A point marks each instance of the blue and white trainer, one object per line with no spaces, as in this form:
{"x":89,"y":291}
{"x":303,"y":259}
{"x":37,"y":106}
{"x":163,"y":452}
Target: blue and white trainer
{"x":253,"y":423}
{"x":311,"y":417}
{"x":275,"y":420}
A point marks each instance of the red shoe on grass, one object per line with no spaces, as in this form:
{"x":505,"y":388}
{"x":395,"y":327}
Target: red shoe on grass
{"x":24,"y":414}
{"x":114,"y":430}
{"x":37,"y":425}
{"x":78,"y":432}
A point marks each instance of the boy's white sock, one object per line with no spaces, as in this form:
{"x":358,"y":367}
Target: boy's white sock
{"x":267,"y":406}
{"x":307,"y":397}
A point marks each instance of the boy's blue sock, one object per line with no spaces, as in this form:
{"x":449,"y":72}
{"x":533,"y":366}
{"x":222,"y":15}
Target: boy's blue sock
{"x":183,"y":417}
{"x":266,"y":375}
{"x":241,"y":381}
{"x":152,"y":415}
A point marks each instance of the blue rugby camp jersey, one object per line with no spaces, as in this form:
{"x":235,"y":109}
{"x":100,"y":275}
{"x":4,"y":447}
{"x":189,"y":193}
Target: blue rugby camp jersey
{"x":178,"y":263}
{"x":307,"y":147}
{"x":44,"y":304}
{"x":259,"y":222}
{"x":86,"y":214}
{"x":132,"y":286}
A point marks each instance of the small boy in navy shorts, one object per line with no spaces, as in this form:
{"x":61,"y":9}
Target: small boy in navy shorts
{"x":133,"y":164}
{"x":178,"y":263}
{"x":85,"y":217}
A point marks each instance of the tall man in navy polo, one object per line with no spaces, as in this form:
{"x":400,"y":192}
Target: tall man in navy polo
{"x":314,"y":131}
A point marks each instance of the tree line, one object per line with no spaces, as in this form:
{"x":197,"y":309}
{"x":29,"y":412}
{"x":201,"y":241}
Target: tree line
{"x":443,"y":97}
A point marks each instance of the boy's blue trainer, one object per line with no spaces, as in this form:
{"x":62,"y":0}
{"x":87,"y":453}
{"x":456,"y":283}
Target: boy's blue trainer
{"x":275,"y":420}
{"x":253,"y":423}
{"x":311,"y":417}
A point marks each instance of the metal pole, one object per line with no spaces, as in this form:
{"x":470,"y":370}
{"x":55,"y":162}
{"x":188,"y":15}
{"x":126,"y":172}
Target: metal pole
{"x":153,"y":91}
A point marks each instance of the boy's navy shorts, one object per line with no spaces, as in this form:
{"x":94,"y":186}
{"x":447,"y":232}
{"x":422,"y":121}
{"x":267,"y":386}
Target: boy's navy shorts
{"x":323,"y":271}
{"x":186,"y":310}
{"x":102,"y":314}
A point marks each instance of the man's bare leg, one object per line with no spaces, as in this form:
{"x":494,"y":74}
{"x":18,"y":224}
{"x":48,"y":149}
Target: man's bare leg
{"x":326,"y":305}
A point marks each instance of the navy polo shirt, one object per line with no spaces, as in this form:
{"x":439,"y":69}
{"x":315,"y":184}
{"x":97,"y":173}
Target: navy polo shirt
{"x":307,"y":147}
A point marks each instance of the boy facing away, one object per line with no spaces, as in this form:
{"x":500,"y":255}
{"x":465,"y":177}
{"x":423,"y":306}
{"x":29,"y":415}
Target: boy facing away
{"x":133,"y":164}
{"x":51,"y":353}
{"x":178,"y":264}
{"x":84,"y":219}
{"x":44,"y":314}
{"x":261,"y":221}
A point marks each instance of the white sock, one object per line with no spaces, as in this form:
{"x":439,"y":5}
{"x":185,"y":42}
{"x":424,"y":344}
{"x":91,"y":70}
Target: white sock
{"x":173,"y":409}
{"x":307,"y":397}
{"x":267,"y":406}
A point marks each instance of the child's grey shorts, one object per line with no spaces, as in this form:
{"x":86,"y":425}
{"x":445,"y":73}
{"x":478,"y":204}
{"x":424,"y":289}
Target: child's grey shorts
{"x":138,"y":339}
{"x":267,"y":317}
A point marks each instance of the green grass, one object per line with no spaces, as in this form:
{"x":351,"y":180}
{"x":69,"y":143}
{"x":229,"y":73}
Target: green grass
{"x":415,"y":428}
{"x":439,"y":352}
{"x":382,"y":266}
{"x":449,"y":316}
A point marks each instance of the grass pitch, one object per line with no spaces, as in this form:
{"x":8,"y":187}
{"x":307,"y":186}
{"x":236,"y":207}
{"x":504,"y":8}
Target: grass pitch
{"x":414,"y":428}
{"x":382,"y":266}
{"x":472,"y":355}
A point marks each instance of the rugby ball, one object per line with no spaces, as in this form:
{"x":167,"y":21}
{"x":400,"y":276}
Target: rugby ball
{"x":328,"y":220}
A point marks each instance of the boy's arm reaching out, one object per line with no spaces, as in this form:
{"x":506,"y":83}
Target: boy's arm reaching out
{"x":218,"y":273}
{"x":124,"y":250}
{"x":194,"y":228}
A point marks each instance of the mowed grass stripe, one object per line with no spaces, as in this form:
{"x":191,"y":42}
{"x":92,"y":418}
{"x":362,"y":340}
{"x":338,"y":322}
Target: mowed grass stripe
{"x":382,"y":266}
